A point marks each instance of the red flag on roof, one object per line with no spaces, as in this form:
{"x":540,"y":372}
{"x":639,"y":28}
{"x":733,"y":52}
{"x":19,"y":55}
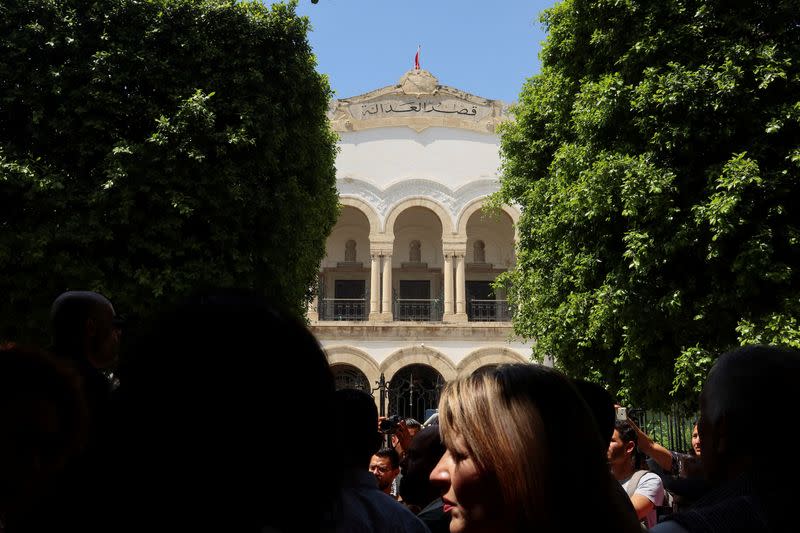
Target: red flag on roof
{"x":416,"y":59}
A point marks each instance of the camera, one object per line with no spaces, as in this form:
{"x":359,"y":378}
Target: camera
{"x":622,"y":414}
{"x":389,"y":425}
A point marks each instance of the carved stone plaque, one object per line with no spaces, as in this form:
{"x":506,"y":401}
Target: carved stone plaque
{"x":419,"y":102}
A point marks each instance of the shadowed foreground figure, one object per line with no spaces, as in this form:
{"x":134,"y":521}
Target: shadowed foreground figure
{"x":86,"y":337}
{"x":747,"y":393}
{"x":416,"y":489}
{"x":363,"y":507}
{"x":42,"y":429}
{"x":210,"y":436}
{"x":86,"y":332}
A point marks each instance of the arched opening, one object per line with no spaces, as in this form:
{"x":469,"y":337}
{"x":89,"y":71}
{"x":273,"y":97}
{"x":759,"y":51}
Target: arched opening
{"x":414,"y":391}
{"x":350,"y":377}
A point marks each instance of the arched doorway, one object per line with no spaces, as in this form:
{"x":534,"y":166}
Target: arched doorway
{"x":350,"y":377}
{"x":413,"y":390}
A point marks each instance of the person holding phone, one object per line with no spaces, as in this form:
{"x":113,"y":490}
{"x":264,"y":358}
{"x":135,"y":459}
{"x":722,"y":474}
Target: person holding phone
{"x":645,"y":489}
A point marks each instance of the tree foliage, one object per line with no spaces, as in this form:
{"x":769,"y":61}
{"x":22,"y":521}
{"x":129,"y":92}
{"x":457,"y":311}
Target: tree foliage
{"x":656,"y":159}
{"x":148,"y":148}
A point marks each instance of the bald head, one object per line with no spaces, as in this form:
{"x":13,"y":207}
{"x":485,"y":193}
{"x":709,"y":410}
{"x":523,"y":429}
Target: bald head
{"x":82,"y":325}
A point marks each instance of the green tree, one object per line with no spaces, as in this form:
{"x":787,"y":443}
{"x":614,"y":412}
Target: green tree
{"x":656,"y":159}
{"x":150,"y":148}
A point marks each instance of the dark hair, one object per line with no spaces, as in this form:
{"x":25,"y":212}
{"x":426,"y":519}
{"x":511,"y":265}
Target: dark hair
{"x":628,"y":434}
{"x":391,"y":454}
{"x":601,"y":404}
{"x":208,"y":375}
{"x":357,"y":417}
{"x":413,"y":423}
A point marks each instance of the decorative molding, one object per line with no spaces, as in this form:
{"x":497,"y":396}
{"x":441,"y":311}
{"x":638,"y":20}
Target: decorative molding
{"x":419,"y":354}
{"x":419,"y":102}
{"x":382,"y":201}
{"x":489,"y":355}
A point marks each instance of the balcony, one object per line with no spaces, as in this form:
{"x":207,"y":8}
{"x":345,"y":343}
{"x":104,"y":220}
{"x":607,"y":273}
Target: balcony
{"x":488,"y":311}
{"x":418,"y":310}
{"x":343,"y":309}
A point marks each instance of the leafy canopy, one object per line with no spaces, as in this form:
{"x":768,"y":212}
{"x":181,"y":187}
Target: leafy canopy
{"x":656,"y":160}
{"x":151,"y":148}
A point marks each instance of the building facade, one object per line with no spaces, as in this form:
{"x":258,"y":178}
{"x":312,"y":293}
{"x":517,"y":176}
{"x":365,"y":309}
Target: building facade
{"x":405,"y":301}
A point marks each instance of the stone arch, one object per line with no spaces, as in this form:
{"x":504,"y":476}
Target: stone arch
{"x":418,"y":355}
{"x":438,"y":209}
{"x":367,"y":210}
{"x":472,"y":207}
{"x":489,"y":356}
{"x":349,"y":355}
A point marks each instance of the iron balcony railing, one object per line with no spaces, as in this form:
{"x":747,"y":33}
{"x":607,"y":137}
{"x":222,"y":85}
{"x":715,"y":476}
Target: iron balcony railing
{"x":343,"y":309}
{"x":489,"y":311}
{"x":418,"y":309}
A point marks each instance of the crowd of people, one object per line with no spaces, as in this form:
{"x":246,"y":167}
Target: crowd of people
{"x":176,"y":439}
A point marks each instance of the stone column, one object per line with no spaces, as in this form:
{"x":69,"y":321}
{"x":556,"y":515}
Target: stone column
{"x":374,"y":286}
{"x":313,"y":309}
{"x":448,"y":287}
{"x":386,"y":310}
{"x":461,"y":305}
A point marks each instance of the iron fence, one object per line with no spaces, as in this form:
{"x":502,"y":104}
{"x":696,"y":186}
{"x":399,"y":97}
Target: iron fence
{"x":343,"y":309}
{"x":418,"y":310}
{"x":488,"y":311}
{"x":673,"y":429}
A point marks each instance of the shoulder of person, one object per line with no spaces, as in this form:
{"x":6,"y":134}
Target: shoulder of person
{"x":650,"y":478}
{"x":651,"y":487}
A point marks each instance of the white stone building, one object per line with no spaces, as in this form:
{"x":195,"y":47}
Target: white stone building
{"x":405,"y":286}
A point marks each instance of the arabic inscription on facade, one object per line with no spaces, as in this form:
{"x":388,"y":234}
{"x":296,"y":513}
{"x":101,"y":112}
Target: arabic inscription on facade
{"x":419,"y":107}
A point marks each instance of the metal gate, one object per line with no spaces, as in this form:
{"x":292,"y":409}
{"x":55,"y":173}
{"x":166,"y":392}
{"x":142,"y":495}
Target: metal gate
{"x":413,"y":390}
{"x":672,"y":429}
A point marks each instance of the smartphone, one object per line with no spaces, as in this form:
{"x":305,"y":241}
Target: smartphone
{"x":622,"y":414}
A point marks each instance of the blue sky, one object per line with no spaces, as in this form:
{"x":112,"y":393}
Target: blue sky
{"x":487,"y":48}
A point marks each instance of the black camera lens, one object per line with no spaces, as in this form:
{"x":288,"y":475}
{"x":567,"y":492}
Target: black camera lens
{"x":389,"y":425}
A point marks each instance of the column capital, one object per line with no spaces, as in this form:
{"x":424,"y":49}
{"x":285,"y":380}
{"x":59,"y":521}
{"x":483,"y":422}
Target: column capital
{"x":454,"y":251}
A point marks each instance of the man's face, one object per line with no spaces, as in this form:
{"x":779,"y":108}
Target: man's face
{"x":618,"y":451}
{"x":106,"y":337}
{"x":696,"y":441}
{"x":381,"y":467}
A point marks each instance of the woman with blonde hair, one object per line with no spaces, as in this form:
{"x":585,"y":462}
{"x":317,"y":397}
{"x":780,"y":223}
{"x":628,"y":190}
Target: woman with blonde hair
{"x":524,"y":454}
